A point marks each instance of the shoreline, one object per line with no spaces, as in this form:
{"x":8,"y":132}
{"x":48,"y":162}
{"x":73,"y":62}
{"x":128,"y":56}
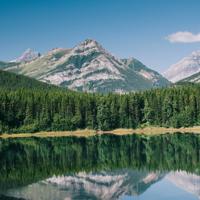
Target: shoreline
{"x":149,"y":131}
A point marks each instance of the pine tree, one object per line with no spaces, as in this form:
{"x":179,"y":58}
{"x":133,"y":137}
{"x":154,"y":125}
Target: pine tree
{"x":148,"y":113}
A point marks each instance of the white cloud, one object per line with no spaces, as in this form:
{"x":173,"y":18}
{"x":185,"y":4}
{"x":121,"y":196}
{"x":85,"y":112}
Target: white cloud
{"x":183,"y":37}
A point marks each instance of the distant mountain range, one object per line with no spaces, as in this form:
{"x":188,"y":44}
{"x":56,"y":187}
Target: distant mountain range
{"x":89,"y":67}
{"x":86,"y":67}
{"x":186,"y":70}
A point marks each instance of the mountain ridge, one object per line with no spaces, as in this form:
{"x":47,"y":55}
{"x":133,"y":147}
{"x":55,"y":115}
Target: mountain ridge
{"x":89,"y":67}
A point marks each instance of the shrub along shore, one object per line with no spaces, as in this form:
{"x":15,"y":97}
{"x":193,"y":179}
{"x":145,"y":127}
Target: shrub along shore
{"x":149,"y":131}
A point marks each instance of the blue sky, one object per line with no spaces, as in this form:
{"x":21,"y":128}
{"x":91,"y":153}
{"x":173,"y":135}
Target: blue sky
{"x":127,"y":28}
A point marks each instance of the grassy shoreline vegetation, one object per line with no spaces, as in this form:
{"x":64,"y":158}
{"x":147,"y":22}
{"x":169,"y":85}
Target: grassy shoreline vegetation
{"x":88,"y":133}
{"x":38,"y":107}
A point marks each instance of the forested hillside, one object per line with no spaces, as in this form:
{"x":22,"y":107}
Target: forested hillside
{"x":10,"y":80}
{"x":4,"y":65}
{"x":28,"y":110}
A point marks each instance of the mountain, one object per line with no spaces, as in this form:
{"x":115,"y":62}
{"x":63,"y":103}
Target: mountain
{"x":146,"y":72}
{"x":13,"y":81}
{"x":89,"y":67}
{"x":27,"y":56}
{"x":184,"y":68}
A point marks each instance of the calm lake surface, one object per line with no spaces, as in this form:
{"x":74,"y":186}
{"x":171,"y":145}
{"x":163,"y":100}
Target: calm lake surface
{"x":101,"y":167}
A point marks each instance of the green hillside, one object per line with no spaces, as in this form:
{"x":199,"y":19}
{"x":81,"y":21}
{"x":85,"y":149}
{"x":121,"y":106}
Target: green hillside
{"x":13,"y":81}
{"x":4,"y":65}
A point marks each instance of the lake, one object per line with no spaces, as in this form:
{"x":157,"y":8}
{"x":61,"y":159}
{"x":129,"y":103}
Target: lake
{"x":101,"y":167}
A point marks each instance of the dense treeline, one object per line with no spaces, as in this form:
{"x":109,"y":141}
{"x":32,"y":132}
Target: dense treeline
{"x":30,"y":110}
{"x":28,"y":160}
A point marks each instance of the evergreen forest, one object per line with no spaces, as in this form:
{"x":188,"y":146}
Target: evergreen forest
{"x":27,"y":105}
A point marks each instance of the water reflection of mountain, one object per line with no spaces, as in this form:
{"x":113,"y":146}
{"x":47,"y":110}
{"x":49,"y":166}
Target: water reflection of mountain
{"x":186,"y":181}
{"x":102,"y":185}
{"x":26,"y":161}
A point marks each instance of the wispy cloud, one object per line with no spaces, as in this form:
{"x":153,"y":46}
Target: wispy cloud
{"x":183,"y":37}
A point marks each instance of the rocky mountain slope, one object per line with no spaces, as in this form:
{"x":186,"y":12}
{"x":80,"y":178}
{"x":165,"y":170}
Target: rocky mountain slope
{"x":184,"y":68}
{"x":195,"y":78}
{"x":89,"y":67}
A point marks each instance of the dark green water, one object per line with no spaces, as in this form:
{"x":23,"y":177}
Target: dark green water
{"x":101,"y":167}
